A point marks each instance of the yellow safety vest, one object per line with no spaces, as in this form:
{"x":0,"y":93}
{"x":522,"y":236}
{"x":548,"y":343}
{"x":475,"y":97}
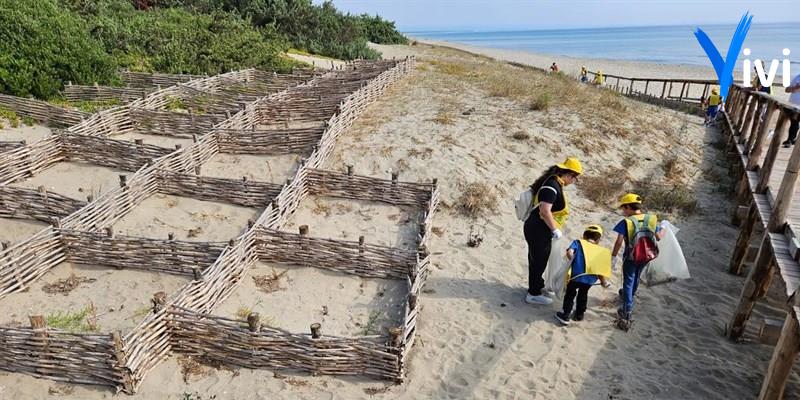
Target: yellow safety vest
{"x":597,"y":259}
{"x":561,"y":215}
{"x":713,"y":100}
{"x":651,"y":223}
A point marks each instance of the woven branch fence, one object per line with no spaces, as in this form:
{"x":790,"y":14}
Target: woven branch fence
{"x":355,"y":258}
{"x":62,"y":356}
{"x":235,"y":343}
{"x":148,"y":80}
{"x":38,"y":204}
{"x":268,"y":141}
{"x":234,"y":191}
{"x":159,"y":334}
{"x":10,"y":145}
{"x":170,"y":256}
{"x":105,"y":93}
{"x":42,"y":111}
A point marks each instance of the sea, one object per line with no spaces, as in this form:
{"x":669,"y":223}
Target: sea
{"x":657,"y":44}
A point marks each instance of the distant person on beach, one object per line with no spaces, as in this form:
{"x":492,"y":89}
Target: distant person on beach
{"x":794,"y":98}
{"x":546,"y":221}
{"x":712,"y":106}
{"x":639,"y":233}
{"x":599,"y":79}
{"x":584,"y":76}
{"x":589,"y":262}
{"x":554,"y":68}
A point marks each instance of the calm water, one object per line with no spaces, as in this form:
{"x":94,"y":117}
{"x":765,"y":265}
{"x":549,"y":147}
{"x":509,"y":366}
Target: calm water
{"x":662,"y":44}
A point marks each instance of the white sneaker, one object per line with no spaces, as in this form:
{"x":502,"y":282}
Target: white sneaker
{"x":549,"y":293}
{"x":540,"y":300}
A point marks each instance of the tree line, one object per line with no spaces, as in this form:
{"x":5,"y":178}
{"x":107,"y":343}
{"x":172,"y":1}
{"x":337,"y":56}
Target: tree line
{"x":44,"y":43}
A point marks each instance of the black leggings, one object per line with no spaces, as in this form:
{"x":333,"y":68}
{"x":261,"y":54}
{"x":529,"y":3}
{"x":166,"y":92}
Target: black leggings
{"x":539,"y":239}
{"x":793,"y":128}
{"x":582,"y":291}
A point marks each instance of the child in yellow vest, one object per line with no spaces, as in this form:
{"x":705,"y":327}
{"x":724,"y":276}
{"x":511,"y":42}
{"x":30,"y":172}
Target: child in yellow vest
{"x":635,"y":221}
{"x":590,"y":262}
{"x":712,"y":107}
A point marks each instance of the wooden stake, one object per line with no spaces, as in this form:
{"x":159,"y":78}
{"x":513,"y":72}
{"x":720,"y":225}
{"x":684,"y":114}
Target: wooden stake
{"x":254,"y":322}
{"x":159,"y":301}
{"x":395,"y":337}
{"x":316,"y":329}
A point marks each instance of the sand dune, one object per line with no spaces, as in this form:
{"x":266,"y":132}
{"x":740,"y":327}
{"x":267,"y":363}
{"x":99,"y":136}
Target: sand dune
{"x":478,"y":340}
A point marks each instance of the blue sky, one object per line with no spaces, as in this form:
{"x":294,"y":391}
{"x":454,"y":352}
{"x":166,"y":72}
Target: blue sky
{"x":420,"y":15}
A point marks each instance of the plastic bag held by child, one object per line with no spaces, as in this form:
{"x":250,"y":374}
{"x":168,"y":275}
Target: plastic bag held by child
{"x":670,"y":265}
{"x":555,"y":275}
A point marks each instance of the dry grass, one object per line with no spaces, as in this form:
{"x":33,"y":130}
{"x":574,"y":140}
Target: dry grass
{"x":540,"y":102}
{"x":269,"y":283}
{"x":672,"y":198}
{"x":64,"y":286}
{"x":604,"y":187}
{"x":424,"y":154}
{"x":671,"y":167}
{"x":191,"y":367}
{"x":444,"y":118}
{"x":601,"y":110}
{"x":477,"y":198}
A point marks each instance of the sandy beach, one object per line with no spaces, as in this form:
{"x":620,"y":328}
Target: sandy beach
{"x":470,"y":122}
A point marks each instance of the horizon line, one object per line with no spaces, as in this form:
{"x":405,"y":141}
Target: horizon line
{"x":500,"y":30}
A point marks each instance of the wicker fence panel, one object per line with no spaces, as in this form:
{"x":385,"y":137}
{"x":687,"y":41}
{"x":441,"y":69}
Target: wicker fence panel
{"x":42,"y":111}
{"x":110,"y":153}
{"x":36,"y":204}
{"x":231,"y":342}
{"x":104,"y":93}
{"x":148,"y":80}
{"x":367,"y":260}
{"x":24,"y":262}
{"x":62,"y":356}
{"x":10,"y":145}
{"x":275,"y":141}
{"x":335,"y":184}
{"x":170,"y":256}
{"x":26,"y":161}
{"x":235,"y":191}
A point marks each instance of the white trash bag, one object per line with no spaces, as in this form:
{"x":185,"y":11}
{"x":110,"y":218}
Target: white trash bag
{"x":555,"y":275}
{"x":670,"y":265}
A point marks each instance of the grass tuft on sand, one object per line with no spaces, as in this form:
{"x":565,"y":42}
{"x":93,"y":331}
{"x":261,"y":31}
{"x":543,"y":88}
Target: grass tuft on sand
{"x":84,"y":320}
{"x":477,"y":199}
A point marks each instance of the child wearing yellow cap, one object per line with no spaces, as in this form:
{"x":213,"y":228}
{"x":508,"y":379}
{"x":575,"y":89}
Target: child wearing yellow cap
{"x":712,"y":107}
{"x":629,"y":229}
{"x":589,"y":262}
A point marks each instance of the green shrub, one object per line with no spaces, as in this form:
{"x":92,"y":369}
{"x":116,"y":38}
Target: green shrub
{"x":44,"y":45}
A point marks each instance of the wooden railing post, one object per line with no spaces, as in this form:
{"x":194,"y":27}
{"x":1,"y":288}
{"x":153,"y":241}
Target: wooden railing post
{"x":782,"y":361}
{"x":772,"y":154}
{"x":755,"y":147}
{"x":760,"y":275}
{"x":751,"y":112}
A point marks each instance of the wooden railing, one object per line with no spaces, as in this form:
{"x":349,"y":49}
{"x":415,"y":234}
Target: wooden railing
{"x":748,"y":119}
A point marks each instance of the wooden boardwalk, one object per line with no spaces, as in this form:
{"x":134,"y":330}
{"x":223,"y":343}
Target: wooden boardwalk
{"x":756,"y":124}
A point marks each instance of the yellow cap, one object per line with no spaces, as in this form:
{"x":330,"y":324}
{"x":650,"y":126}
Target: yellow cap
{"x":571,"y":164}
{"x":715,"y":91}
{"x":630,"y":198}
{"x":595,"y":228}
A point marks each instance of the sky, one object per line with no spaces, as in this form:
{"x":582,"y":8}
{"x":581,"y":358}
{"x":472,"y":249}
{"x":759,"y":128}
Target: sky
{"x":489,"y":15}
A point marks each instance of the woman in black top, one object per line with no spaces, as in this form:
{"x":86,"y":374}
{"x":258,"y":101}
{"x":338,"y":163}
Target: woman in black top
{"x":545,"y":222}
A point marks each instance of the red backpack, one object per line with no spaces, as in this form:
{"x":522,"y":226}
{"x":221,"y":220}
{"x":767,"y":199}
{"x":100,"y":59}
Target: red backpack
{"x":643,"y":244}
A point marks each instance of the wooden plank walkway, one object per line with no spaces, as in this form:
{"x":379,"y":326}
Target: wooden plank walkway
{"x":756,"y":124}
